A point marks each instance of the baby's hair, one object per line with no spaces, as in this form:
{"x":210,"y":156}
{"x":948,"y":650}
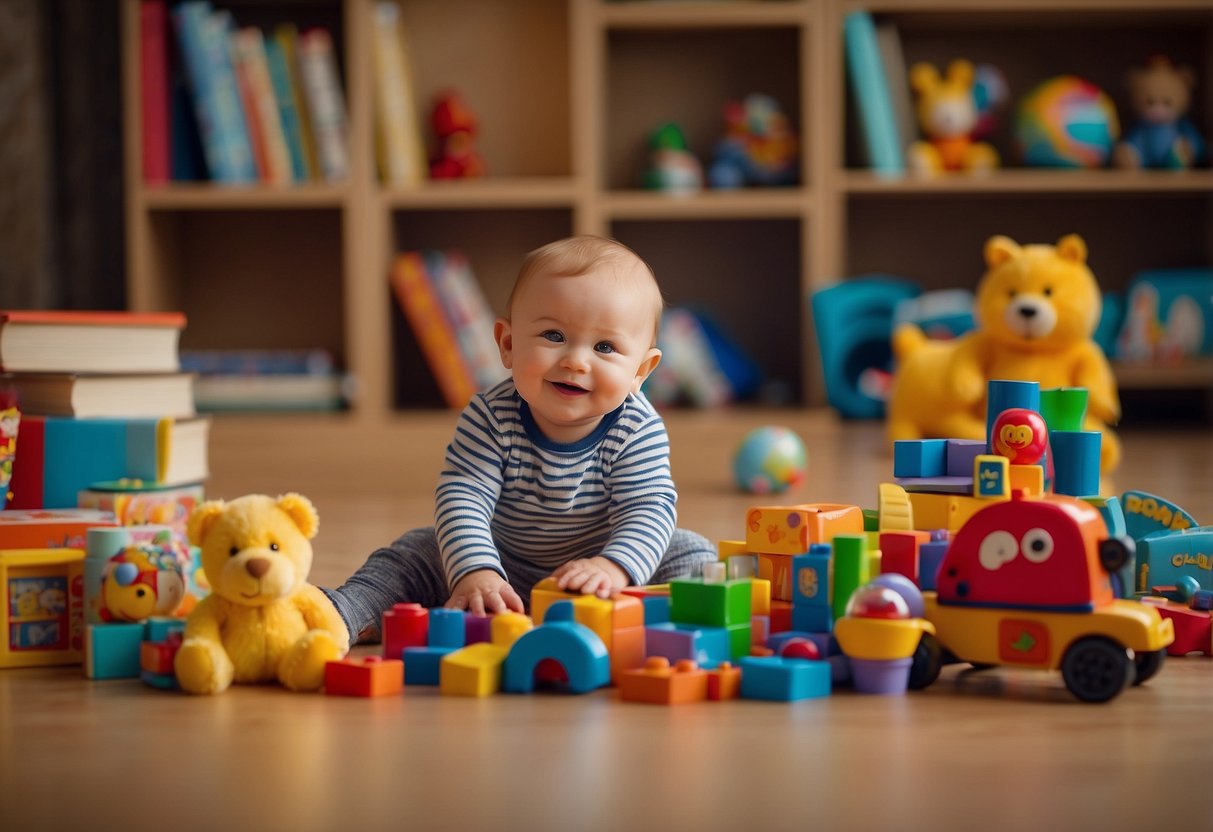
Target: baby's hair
{"x":574,"y":256}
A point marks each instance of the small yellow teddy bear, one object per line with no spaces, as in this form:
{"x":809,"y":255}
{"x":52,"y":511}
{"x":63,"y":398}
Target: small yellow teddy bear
{"x":1036,"y":309}
{"x":262,"y":621}
{"x":947,"y":114}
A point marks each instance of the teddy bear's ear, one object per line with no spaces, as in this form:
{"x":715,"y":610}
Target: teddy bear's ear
{"x":302,"y":512}
{"x":1000,"y":249}
{"x":1071,"y":247}
{"x":923,"y":77}
{"x":201,"y":518}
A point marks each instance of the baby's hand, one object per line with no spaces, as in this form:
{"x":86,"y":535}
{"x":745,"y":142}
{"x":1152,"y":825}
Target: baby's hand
{"x":591,"y":576}
{"x":482,"y":592}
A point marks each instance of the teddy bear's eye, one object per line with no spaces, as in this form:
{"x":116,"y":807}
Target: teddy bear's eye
{"x":1011,"y":294}
{"x":273,"y":547}
{"x":1048,"y":291}
{"x":233,"y":551}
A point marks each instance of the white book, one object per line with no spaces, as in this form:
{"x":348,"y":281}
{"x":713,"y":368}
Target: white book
{"x":325,"y":102}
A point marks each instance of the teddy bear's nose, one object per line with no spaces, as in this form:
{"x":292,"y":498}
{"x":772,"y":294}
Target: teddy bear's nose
{"x":257,"y":566}
{"x":1027,"y":311}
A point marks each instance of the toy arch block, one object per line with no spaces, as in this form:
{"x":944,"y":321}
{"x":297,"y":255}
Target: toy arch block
{"x":574,"y":646}
{"x":660,"y":684}
{"x":619,"y":621}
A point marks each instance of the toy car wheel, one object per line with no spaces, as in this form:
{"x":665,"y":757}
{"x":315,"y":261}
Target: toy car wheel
{"x":1115,"y":552}
{"x":1148,"y":664}
{"x":925,"y":663}
{"x":1097,"y":669}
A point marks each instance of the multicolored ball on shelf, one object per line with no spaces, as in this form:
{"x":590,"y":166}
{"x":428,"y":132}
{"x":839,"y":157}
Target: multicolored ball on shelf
{"x":770,"y":460}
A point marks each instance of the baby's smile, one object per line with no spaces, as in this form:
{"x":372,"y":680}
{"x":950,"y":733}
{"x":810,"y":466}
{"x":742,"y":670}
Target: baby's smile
{"x":568,"y":389}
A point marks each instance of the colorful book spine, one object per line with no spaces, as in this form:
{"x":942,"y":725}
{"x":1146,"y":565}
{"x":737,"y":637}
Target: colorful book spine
{"x":287,"y":38}
{"x":154,"y":90}
{"x":51,"y":529}
{"x":325,"y":102}
{"x":58,"y":458}
{"x":401,"y":154}
{"x":423,"y":311}
{"x":248,"y":49}
{"x":871,"y":94}
{"x":470,"y":315}
{"x":285,"y":97}
{"x":204,"y":47}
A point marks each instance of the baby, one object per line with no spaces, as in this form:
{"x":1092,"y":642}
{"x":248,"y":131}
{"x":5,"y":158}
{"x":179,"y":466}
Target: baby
{"x":562,"y":469}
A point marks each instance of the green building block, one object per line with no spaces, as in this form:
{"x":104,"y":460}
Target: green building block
{"x":851,"y":570}
{"x":1063,"y":408}
{"x":716,"y":604}
{"x":739,"y":640}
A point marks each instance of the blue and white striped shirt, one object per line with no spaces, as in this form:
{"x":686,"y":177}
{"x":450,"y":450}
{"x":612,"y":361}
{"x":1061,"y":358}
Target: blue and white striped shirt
{"x":506,"y":487}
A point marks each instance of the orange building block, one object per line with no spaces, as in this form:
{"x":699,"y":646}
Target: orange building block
{"x":788,"y":530}
{"x":661,"y":684}
{"x":619,"y":621}
{"x":724,"y":682}
{"x":1030,"y":478}
{"x":367,"y":676}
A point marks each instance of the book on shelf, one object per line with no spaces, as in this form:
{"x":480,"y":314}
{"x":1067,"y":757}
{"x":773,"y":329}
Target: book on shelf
{"x":400,"y":148}
{"x":436,"y":338}
{"x":64,"y":528}
{"x":287,"y":100}
{"x":261,"y":103}
{"x":266,"y":380}
{"x":89,"y":342}
{"x":154,"y":91}
{"x":897,"y":79}
{"x":870,"y":92}
{"x":469,"y":314}
{"x":58,"y":458}
{"x":286,"y":38}
{"x":107,"y":395}
{"x":325,"y":102}
{"x":203,"y":35}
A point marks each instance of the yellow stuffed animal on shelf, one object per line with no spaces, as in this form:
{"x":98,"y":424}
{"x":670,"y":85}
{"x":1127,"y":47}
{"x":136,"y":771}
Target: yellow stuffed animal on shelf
{"x":1036,"y":309}
{"x":262,"y":621}
{"x":947,"y":114}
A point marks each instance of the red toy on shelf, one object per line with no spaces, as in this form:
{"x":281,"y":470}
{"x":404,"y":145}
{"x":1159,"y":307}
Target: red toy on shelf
{"x":455,"y":127}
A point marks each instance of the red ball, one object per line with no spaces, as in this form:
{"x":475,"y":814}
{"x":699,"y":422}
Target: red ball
{"x":800,"y":648}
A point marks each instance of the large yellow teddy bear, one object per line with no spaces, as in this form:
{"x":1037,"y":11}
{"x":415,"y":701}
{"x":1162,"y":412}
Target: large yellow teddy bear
{"x":262,"y":621}
{"x":1036,"y":309}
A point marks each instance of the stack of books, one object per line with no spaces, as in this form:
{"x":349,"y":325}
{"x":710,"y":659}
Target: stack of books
{"x":237,"y":104}
{"x":266,"y":380}
{"x":102,"y":403}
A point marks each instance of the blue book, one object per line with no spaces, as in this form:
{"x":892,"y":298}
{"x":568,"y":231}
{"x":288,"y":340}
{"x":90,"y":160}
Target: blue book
{"x":871,"y":94}
{"x":203,"y":35}
{"x":284,"y":94}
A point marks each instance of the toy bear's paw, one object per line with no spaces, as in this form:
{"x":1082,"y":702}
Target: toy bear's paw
{"x":302,"y":668}
{"x":202,"y":667}
{"x":968,"y":385}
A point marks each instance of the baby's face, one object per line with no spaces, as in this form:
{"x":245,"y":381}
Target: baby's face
{"x":577,"y":346}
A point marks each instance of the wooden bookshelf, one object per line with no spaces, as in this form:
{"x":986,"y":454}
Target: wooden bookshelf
{"x":567,"y":92}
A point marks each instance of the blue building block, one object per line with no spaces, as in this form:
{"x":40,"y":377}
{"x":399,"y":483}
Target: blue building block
{"x":1075,"y":461}
{"x":784,"y":680}
{"x":706,"y":646}
{"x":930,"y":556}
{"x":1165,"y":557}
{"x":1003,"y":395}
{"x":813,"y":619}
{"x":111,"y":651}
{"x":920,"y":457}
{"x":1202,"y":599}
{"x":160,"y":628}
{"x":574,"y":646}
{"x":656,"y":609}
{"x":811,"y":577}
{"x":422,"y":665}
{"x":447,"y":628}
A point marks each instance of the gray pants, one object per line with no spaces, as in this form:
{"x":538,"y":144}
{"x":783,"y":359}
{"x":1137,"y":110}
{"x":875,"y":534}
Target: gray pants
{"x":410,"y":569}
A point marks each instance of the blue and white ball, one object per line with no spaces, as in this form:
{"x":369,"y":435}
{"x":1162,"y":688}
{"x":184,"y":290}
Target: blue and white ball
{"x":770,"y":460}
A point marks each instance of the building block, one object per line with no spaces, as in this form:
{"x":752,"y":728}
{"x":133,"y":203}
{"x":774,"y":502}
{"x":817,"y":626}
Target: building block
{"x":811,"y":577}
{"x":507,"y":627}
{"x":779,"y":679}
{"x":742,"y":567}
{"x":111,"y":651}
{"x":160,"y":681}
{"x":474,"y":670}
{"x":948,"y":511}
{"x":942,"y":485}
{"x":647,"y":591}
{"x":760,"y":596}
{"x":1003,"y":395}
{"x":659,"y":683}
{"x":726,"y":549}
{"x":578,"y":650}
{"x":447,"y":628}
{"x":1193,"y":629}
{"x":812,"y":619}
{"x":899,"y":553}
{"x":706,"y":646}
{"x":714,"y":572}
{"x":42,"y":607}
{"x":656,"y":609}
{"x":781,"y":616}
{"x":159,"y":627}
{"x":404,"y":625}
{"x":477,"y":628}
{"x":1075,"y":461}
{"x":930,"y":556}
{"x":760,"y":629}
{"x":961,"y":454}
{"x":423,"y":665}
{"x":992,"y":477}
{"x":724,"y":682}
{"x":1063,"y":408}
{"x":721,"y":604}
{"x":850,"y":569}
{"x":1202,"y":599}
{"x":776,"y":570}
{"x":788,"y":530}
{"x":893,"y":504}
{"x":920,"y":457}
{"x":619,"y":621}
{"x":366,"y":676}
{"x":871,"y":519}
{"x":157,"y":656}
{"x":1166,"y":557}
{"x":1027,"y":478}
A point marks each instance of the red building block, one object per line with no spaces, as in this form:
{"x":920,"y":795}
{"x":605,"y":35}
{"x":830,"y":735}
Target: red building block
{"x":899,"y":552}
{"x":781,"y":616}
{"x":1193,"y":629}
{"x":404,"y":625}
{"x":724,"y":682}
{"x":156,"y":657}
{"x":367,"y":676}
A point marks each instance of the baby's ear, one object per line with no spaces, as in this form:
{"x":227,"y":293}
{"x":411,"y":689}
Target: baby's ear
{"x":201,"y":520}
{"x":651,"y":360}
{"x":302,"y":513}
{"x":505,"y":342}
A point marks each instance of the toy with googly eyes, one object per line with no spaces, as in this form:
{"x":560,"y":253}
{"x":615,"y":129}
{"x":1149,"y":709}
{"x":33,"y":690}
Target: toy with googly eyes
{"x":1020,"y":435}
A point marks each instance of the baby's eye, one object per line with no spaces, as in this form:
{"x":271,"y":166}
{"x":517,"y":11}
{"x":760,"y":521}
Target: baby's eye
{"x":553,"y":335}
{"x":604,"y":347}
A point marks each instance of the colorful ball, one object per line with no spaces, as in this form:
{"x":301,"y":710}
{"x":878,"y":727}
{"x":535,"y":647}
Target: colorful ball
{"x":1066,"y":122}
{"x":770,"y":460}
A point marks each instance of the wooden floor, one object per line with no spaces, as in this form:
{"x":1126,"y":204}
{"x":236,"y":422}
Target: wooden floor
{"x":990,"y":750}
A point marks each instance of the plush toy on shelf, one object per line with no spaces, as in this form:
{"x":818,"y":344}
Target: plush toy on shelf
{"x":1160,"y":93}
{"x":947,"y":110}
{"x":455,"y":127}
{"x":673,"y":168}
{"x":758,"y":148}
{"x":1037,"y":307}
{"x":262,"y":621}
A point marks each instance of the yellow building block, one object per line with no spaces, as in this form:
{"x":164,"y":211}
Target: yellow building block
{"x":894,"y":508}
{"x":507,"y":627}
{"x":727,"y":548}
{"x":943,"y":511}
{"x":474,"y":670}
{"x":619,"y":621}
{"x":1030,"y":478}
{"x":788,"y":530}
{"x":760,"y":596}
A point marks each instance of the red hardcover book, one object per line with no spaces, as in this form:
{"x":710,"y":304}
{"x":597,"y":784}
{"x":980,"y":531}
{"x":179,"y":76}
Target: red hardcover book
{"x":154,"y":88}
{"x":50,"y":529}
